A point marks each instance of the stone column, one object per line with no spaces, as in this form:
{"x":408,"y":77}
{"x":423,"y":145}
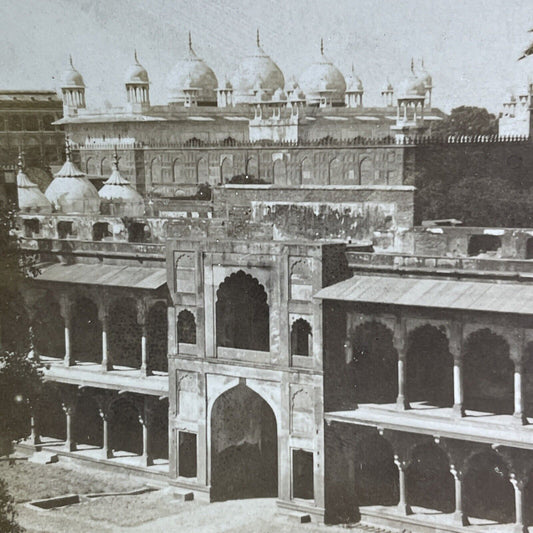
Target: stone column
{"x":106,"y":363}
{"x":456,"y":349}
{"x":400,"y":343}
{"x":459,"y":516}
{"x":68,"y":408}
{"x":403,"y":505}
{"x":519,"y":413}
{"x":519,"y":492}
{"x":141,"y":319}
{"x":34,"y":437}
{"x":145,"y":420}
{"x":107,"y":453}
{"x":66,"y":313}
{"x":144,"y":351}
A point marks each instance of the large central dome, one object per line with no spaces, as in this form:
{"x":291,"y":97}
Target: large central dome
{"x":256,"y":71}
{"x":192,"y":72}
{"x":323,"y":76}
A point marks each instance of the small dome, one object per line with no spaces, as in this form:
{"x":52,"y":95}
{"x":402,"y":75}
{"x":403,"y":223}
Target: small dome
{"x":353,"y":82}
{"x":388,"y":87}
{"x":119,"y":197}
{"x":136,"y":73}
{"x":412,"y":87}
{"x":71,"y":78}
{"x":256,"y":68}
{"x":30,"y":197}
{"x":279,"y":95}
{"x":71,"y":192}
{"x":425,"y":76}
{"x":192,"y":72}
{"x":323,"y":75}
{"x":226,"y":85}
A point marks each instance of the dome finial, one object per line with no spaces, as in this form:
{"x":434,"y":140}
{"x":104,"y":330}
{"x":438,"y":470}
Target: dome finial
{"x":70,"y":61}
{"x":20,"y":161}
{"x":115,"y":159}
{"x":67,"y":150}
{"x":412,"y":65}
{"x":135,"y":56}
{"x":190,"y":40}
{"x":257,"y":38}
{"x":321,"y":46}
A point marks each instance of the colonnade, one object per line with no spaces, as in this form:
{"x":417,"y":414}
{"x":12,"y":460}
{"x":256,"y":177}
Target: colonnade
{"x":103,"y":302}
{"x":457,"y":332}
{"x":105,"y":401}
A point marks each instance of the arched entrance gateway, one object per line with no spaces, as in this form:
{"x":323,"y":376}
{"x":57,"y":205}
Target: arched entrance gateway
{"x":244,"y":450}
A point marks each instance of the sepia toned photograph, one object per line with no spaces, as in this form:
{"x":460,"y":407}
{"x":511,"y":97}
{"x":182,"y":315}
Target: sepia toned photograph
{"x":266,"y":266}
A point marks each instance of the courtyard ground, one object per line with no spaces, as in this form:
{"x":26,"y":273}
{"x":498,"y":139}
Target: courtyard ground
{"x":156,"y":511}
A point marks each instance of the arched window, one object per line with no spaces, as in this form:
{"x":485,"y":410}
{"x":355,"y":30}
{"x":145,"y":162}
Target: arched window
{"x":226,"y":170}
{"x":157,"y":325}
{"x":307,"y":170}
{"x":155,"y":170}
{"x":279,"y":171}
{"x":202,"y":171}
{"x":177,"y":170}
{"x":105,"y":167}
{"x":301,"y":338}
{"x":90,"y":167}
{"x":186,"y":327}
{"x":242,"y":314}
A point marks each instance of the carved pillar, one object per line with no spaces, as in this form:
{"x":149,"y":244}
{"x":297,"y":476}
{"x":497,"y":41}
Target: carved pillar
{"x":141,"y":319}
{"x":400,"y":343}
{"x":459,"y":515}
{"x":34,"y":437}
{"x":403,"y":505}
{"x":69,"y":410}
{"x":519,"y":413}
{"x":517,"y":355}
{"x":103,"y":313}
{"x":66,"y":313}
{"x":104,"y":412}
{"x":456,"y":349}
{"x":145,"y":419}
{"x":519,"y":484}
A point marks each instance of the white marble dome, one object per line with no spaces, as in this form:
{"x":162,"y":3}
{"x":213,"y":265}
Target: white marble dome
{"x":323,"y":75}
{"x":71,"y":78}
{"x":189,"y":72}
{"x":412,"y":87}
{"x":136,"y":73}
{"x":30,"y":197}
{"x":257,"y":69}
{"x":119,"y":197}
{"x":71,"y":192}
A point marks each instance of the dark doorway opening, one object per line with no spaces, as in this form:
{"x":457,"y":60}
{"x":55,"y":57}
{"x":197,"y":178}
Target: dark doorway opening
{"x":244,"y":447}
{"x":187,"y":454}
{"x":302,"y":475}
{"x":480,"y":244}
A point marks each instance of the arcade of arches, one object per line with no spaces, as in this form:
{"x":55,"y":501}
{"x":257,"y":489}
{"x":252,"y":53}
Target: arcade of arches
{"x":471,"y":483}
{"x":111,"y":424}
{"x":481,"y":370}
{"x":126,"y":332}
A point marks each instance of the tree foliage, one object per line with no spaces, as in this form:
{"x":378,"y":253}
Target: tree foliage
{"x":467,"y":120}
{"x":20,"y":378}
{"x":8,"y":514}
{"x":478,"y":202}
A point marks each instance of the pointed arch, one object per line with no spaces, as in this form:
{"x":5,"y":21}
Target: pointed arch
{"x":242,"y":313}
{"x":244,"y":457}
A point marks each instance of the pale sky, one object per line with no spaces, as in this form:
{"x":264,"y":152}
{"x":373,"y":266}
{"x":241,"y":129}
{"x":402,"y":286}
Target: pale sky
{"x":469,"y":46}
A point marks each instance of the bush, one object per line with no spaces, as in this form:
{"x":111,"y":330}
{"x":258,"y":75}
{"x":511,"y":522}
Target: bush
{"x":8,"y":514}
